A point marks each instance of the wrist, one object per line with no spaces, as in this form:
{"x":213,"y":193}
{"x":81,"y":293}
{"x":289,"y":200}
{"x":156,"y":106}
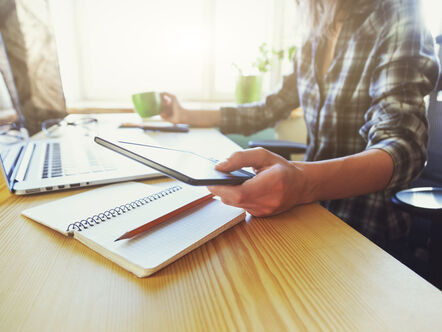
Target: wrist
{"x":310,"y":183}
{"x":185,"y":116}
{"x":201,"y":118}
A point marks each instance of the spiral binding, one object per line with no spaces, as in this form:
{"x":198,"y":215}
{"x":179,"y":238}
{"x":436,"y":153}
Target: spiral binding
{"x":109,"y":214}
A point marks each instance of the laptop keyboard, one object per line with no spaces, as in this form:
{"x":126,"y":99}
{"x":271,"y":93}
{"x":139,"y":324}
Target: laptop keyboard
{"x":71,"y":160}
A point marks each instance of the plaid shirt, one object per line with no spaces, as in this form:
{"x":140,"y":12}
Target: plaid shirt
{"x":371,"y":97}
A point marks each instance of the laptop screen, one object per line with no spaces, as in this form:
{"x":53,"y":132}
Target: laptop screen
{"x":11,"y":121}
{"x":10,"y":108}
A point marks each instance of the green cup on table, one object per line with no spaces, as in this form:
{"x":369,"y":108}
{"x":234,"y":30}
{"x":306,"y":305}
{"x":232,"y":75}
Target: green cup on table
{"x":147,"y":104}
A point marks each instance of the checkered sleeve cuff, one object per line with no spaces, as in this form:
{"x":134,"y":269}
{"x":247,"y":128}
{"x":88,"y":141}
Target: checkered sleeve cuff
{"x":408,"y":161}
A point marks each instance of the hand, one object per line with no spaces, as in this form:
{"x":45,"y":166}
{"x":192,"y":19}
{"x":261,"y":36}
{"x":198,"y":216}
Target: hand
{"x":171,"y":110}
{"x":278,"y":185}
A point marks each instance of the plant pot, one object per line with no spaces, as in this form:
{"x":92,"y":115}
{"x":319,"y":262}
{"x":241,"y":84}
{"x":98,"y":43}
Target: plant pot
{"x":248,"y":88}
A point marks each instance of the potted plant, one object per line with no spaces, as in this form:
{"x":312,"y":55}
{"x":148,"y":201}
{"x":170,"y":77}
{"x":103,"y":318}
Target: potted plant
{"x":249,"y":85}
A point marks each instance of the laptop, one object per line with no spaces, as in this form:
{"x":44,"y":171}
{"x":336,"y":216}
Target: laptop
{"x":45,"y":165}
{"x":39,"y":165}
{"x":32,"y":166}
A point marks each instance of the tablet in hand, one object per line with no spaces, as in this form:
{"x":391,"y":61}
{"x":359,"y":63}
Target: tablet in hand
{"x":186,"y":166}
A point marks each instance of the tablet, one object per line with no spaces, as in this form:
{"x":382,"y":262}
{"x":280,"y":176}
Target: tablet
{"x":186,"y":166}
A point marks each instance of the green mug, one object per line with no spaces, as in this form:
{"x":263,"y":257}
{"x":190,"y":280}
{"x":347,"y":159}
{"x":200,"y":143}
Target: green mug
{"x":147,"y":104}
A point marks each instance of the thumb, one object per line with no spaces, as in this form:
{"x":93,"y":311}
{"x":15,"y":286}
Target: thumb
{"x":256,"y":158}
{"x":167,"y":101}
{"x":166,"y":96}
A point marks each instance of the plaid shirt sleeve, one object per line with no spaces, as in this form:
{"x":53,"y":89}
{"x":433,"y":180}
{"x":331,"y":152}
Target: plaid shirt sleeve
{"x":249,"y":118}
{"x":404,"y":73}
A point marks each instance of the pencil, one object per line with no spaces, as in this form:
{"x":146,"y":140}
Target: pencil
{"x":163,"y":218}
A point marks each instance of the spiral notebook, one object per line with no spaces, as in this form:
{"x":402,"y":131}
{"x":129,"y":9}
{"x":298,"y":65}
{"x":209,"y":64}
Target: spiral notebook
{"x":97,"y":217}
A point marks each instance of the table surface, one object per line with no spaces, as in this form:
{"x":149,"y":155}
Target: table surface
{"x":301,"y":270}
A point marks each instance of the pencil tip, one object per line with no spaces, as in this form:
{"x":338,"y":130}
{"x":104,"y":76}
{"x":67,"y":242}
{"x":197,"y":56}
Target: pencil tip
{"x":123,"y":237}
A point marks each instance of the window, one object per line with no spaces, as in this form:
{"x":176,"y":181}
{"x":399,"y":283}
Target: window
{"x":109,"y":49}
{"x":431,"y":11}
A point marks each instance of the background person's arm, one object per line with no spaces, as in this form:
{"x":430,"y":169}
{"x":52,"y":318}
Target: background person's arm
{"x":243,"y":119}
{"x":172,"y":111}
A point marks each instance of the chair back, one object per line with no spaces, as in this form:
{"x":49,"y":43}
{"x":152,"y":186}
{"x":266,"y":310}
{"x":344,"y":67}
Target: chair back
{"x":433,"y":169}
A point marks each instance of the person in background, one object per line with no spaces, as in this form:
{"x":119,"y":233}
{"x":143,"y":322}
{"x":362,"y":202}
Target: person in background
{"x":360,"y":78}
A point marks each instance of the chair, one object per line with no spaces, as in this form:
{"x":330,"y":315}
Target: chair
{"x":291,"y":134}
{"x":283,"y":148}
{"x":424,"y":201}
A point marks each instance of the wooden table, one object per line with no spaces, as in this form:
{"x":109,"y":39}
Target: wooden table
{"x":301,"y":270}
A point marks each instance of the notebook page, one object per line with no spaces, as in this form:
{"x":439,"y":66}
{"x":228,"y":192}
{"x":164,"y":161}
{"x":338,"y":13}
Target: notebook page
{"x":166,"y":242}
{"x":117,"y":226}
{"x":60,"y":213}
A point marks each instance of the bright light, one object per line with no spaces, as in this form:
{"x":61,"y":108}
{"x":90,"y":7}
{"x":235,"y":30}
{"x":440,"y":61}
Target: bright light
{"x":431,"y":12}
{"x":109,"y":49}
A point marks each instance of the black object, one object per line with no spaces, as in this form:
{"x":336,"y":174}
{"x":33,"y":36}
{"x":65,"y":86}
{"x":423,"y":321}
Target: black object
{"x":186,"y":166}
{"x":164,"y":127}
{"x":283,"y":148}
{"x":426,"y":202}
{"x":433,"y":168}
{"x":178,"y":128}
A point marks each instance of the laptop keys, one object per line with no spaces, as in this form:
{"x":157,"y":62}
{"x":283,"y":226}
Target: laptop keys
{"x":73,"y":160}
{"x":56,"y":169}
{"x":46,"y":162}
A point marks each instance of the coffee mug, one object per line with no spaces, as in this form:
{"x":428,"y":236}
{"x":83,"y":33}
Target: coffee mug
{"x":147,"y":104}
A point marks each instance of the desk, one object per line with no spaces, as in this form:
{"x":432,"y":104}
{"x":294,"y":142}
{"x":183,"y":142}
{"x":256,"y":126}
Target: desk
{"x":301,"y":270}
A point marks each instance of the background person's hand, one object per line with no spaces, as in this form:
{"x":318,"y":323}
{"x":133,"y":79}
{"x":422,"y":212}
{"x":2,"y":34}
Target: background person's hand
{"x":278,"y":185}
{"x":171,"y":109}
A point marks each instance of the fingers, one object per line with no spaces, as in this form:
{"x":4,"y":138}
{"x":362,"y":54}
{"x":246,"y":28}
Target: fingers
{"x":168,"y":101}
{"x":256,"y":158}
{"x":269,"y":192}
{"x":248,"y":191}
{"x":253,"y":197}
{"x":166,"y":96}
{"x":230,"y":195}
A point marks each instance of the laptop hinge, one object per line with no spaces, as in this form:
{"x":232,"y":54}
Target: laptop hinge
{"x":24,"y":165}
